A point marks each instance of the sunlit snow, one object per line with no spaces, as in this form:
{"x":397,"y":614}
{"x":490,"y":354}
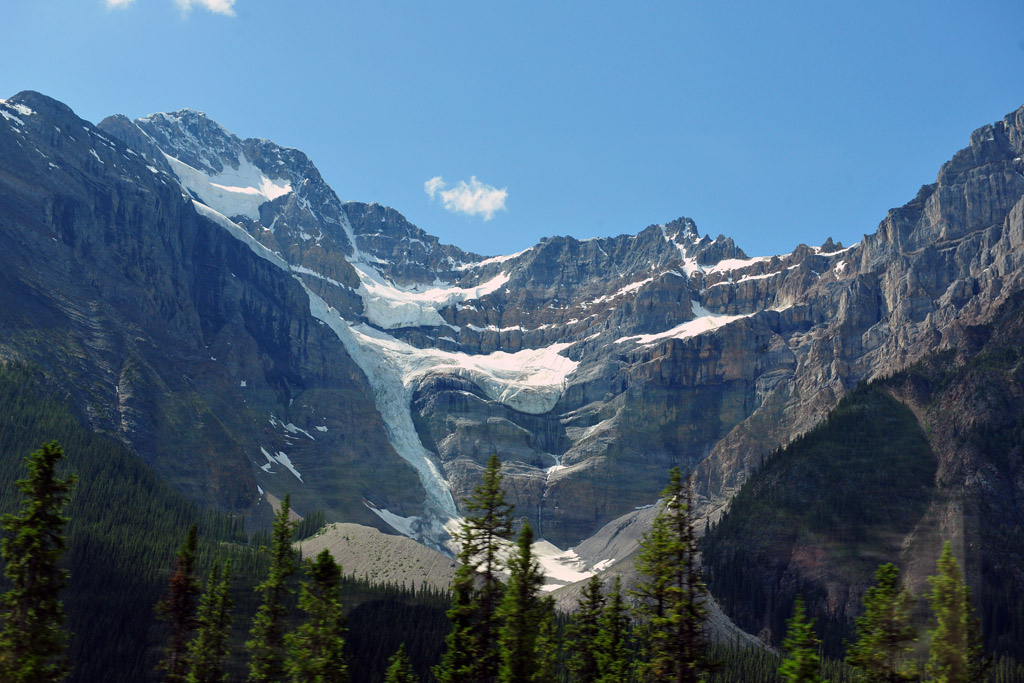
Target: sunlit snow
{"x":233,"y":192}
{"x":391,"y":307}
{"x":704,"y":322}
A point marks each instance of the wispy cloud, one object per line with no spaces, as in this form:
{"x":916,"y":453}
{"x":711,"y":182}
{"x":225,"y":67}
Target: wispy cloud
{"x":473,"y":198}
{"x":225,"y":7}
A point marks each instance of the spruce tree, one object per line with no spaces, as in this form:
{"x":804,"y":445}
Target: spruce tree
{"x":32,"y":640}
{"x":178,"y":608}
{"x":583,"y":634}
{"x":209,"y":646}
{"x":266,"y":645}
{"x":955,"y":653}
{"x":471,"y":652}
{"x":399,"y":668}
{"x":671,"y":592}
{"x":315,"y":650}
{"x":884,"y":632}
{"x":801,"y":663}
{"x":521,"y":614}
{"x":614,"y":656}
{"x":459,"y":661}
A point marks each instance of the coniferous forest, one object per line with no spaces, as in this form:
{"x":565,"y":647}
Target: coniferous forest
{"x":110,"y":575}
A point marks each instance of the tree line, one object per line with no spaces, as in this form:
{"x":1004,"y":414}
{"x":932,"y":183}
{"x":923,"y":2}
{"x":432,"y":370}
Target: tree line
{"x":500,"y":631}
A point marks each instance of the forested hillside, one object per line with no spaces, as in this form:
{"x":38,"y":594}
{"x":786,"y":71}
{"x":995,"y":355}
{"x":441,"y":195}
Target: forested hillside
{"x":931,"y":453}
{"x":125,"y":528}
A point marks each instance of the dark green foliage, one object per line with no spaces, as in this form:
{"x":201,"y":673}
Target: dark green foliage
{"x":801,"y":663}
{"x":460,"y":661}
{"x":472,"y":645}
{"x":955,"y":652}
{"x":209,"y":647}
{"x":310,"y":525}
{"x":399,"y":668}
{"x":846,"y":490}
{"x":582,"y":637}
{"x":266,"y":646}
{"x":124,"y":530}
{"x":32,"y":640}
{"x":758,"y":665}
{"x":316,"y":648}
{"x":548,"y":646}
{"x":670,"y":592}
{"x":178,"y":609}
{"x":884,"y":632}
{"x":381,"y":618}
{"x":521,"y":612}
{"x":614,"y":641}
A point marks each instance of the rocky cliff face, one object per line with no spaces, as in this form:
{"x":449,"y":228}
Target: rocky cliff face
{"x":169,"y":332}
{"x":590,"y":367}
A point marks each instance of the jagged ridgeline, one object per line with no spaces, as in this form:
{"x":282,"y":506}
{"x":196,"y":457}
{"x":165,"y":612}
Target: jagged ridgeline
{"x":126,"y":525}
{"x":928,"y":454}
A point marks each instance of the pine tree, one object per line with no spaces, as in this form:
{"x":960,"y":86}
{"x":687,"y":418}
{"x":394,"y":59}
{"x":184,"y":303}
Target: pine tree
{"x":521,"y":613}
{"x":399,"y":668}
{"x":471,"y":652}
{"x":459,"y":662}
{"x":884,"y":632}
{"x":266,"y":645}
{"x":209,"y":646}
{"x":32,"y":640}
{"x":315,"y":650}
{"x":178,"y":608}
{"x":613,"y":640}
{"x":802,"y":664}
{"x":955,"y":653}
{"x":583,"y":634}
{"x":671,"y":592}
{"x":549,"y":645}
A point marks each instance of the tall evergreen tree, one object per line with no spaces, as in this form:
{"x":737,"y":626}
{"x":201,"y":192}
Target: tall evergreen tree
{"x":521,"y":613}
{"x":316,"y":649}
{"x":32,"y":640}
{"x":549,"y":644}
{"x":459,"y":661}
{"x":884,"y":632}
{"x":614,"y":656}
{"x":209,"y":646}
{"x":399,"y":668}
{"x":583,"y":634}
{"x":802,"y":663}
{"x":178,"y":608}
{"x":471,"y":652}
{"x":955,"y":654}
{"x":266,"y":645}
{"x":671,"y":591}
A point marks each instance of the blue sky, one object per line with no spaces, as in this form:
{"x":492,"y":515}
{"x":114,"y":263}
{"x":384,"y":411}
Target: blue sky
{"x":774,"y":123}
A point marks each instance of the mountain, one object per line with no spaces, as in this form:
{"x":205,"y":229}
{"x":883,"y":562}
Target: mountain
{"x":934,"y":452}
{"x":213,"y":303}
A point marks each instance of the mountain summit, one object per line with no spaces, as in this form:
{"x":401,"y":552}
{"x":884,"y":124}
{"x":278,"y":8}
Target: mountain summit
{"x":250,"y":334}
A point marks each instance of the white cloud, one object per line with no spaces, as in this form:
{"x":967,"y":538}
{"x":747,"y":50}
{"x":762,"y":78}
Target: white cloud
{"x":225,"y":7}
{"x":433,"y":186}
{"x":472,"y":198}
{"x":112,"y":4}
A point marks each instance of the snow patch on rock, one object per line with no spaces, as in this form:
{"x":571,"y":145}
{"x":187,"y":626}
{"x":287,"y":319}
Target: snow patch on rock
{"x":704,"y":322}
{"x":233,"y":192}
{"x":389,"y":306}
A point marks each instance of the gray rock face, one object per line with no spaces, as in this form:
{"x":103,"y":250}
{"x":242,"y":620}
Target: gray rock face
{"x":590,"y":367}
{"x":171,"y":334}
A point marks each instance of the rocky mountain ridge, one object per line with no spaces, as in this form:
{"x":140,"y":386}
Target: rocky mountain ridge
{"x":590,"y":367}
